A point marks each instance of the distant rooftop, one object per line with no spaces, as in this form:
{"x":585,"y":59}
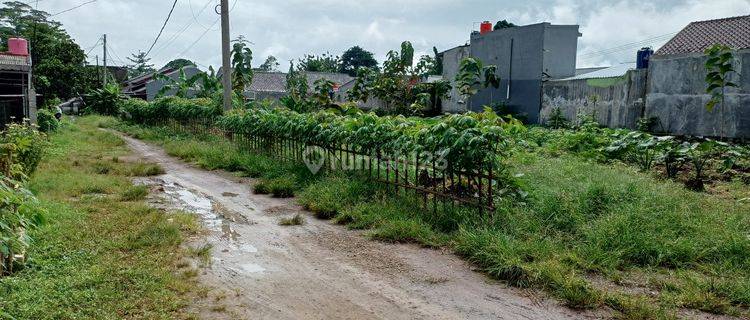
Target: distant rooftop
{"x":615,"y":71}
{"x":698,"y":36}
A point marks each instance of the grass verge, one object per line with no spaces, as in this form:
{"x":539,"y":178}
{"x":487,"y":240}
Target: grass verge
{"x":104,"y":253}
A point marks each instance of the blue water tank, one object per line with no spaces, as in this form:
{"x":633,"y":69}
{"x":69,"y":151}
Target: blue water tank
{"x":643,"y":56}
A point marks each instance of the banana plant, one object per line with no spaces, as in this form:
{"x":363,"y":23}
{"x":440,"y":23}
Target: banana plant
{"x":242,"y":69}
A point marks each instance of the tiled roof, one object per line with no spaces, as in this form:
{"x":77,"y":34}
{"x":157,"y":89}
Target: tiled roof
{"x":698,"y":36}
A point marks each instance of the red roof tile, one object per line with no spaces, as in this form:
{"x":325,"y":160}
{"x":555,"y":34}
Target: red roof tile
{"x":698,"y":36}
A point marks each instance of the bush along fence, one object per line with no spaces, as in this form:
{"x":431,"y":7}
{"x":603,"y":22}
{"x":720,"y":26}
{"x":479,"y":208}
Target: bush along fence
{"x":452,"y":160}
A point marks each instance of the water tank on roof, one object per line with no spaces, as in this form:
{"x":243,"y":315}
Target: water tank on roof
{"x":18,"y":46}
{"x":644,"y":55}
{"x":485,"y":27}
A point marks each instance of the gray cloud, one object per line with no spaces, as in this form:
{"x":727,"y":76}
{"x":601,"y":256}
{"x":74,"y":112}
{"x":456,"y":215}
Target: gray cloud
{"x":289,"y":29}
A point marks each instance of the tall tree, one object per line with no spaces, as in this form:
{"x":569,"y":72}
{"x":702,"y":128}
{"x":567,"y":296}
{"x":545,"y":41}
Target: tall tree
{"x":58,"y":69}
{"x":271,"y":64}
{"x":179,"y":64}
{"x":356,"y":57}
{"x":322,"y":63}
{"x":140,"y":64}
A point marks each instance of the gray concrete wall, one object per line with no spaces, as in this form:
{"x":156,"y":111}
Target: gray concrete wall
{"x":153,"y":87}
{"x":616,"y":102}
{"x":676,"y":96}
{"x":523,"y":55}
{"x":451,"y":61}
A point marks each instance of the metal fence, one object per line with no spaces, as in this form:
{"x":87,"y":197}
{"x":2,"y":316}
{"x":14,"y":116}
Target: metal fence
{"x":436,"y":182}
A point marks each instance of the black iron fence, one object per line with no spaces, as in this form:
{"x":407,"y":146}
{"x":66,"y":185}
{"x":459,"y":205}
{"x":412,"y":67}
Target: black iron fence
{"x":433,"y":179}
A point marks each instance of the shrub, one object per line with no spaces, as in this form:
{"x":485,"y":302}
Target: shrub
{"x":46,"y":121}
{"x":19,"y":212}
{"x":22,"y":148}
{"x":104,"y":101}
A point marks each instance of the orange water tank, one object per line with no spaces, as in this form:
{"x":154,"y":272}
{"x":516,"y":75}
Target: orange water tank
{"x":485,"y":27}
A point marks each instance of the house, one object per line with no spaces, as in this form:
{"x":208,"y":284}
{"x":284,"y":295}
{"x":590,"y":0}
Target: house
{"x":17,"y":94}
{"x":525,"y":57}
{"x":272,"y":85}
{"x":676,"y":95}
{"x":146,"y":87}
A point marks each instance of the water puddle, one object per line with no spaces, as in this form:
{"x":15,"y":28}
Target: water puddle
{"x":252,"y":268}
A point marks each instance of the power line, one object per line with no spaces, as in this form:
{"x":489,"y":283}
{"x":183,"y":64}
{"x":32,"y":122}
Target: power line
{"x":162,"y":27}
{"x":182,"y":30}
{"x":203,"y":34}
{"x":627,"y":45}
{"x":73,"y":8}
{"x":94,"y":46}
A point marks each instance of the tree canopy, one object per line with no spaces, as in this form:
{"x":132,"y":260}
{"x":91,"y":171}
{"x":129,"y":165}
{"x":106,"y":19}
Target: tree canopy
{"x":179,"y":64}
{"x":140,"y":64}
{"x":354,"y":58}
{"x":322,"y":63}
{"x":503,"y":24}
{"x":271,"y":64}
{"x":58,"y":69}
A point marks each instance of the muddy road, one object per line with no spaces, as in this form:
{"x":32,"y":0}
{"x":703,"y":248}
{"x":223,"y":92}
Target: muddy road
{"x":260,"y":270}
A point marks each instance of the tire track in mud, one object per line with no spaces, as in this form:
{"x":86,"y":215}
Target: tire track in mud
{"x":318,"y":270}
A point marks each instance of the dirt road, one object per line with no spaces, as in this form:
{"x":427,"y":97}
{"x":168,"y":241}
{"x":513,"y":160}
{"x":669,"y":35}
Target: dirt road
{"x":261,"y":270}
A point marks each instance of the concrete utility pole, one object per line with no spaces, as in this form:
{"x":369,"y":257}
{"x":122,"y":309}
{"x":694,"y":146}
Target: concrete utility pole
{"x":105,"y":59}
{"x":226,"y":77}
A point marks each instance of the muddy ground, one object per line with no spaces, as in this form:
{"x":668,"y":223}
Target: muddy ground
{"x":261,"y":270}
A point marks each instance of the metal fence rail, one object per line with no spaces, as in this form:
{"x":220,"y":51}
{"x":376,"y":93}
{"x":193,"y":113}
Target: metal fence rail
{"x":438,"y":185}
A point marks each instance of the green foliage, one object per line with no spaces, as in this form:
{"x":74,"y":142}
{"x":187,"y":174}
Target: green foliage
{"x":58,"y":61}
{"x":473,"y":75}
{"x":472,"y":141}
{"x":271,"y":64}
{"x":104,"y":101}
{"x":201,"y":85}
{"x":46,"y":121}
{"x":557,"y":119}
{"x":504,"y":24}
{"x":700,"y":154}
{"x":169,"y":108}
{"x":398,"y":85}
{"x":179,"y":64}
{"x":720,"y":66}
{"x":355,"y":58}
{"x":242,"y":69}
{"x":22,"y":148}
{"x":140,"y":65}
{"x":322,"y":63}
{"x":20,"y":212}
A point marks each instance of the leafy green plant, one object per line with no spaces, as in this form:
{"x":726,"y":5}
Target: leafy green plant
{"x":104,"y":101}
{"x":46,"y":121}
{"x":640,"y":148}
{"x":473,"y":75}
{"x":700,"y":154}
{"x":720,"y":66}
{"x":242,"y":69}
{"x":557,"y":119}
{"x":400,"y":86}
{"x":21,"y":148}
{"x":19,"y":212}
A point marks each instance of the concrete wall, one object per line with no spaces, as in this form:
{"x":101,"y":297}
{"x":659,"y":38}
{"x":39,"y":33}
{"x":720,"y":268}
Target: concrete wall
{"x":451,"y":61}
{"x":523,"y":55}
{"x":616,"y":102}
{"x":676,"y":96}
{"x":153,"y":87}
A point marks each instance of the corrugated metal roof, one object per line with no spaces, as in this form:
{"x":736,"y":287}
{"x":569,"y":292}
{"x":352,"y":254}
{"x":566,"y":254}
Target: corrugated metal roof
{"x":611,"y":72}
{"x":698,"y":36}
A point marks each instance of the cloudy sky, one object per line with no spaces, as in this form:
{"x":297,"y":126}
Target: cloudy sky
{"x":612,"y":30}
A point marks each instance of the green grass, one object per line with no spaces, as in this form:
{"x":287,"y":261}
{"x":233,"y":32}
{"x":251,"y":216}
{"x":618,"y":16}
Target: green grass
{"x":103,"y":253}
{"x":581,"y":220}
{"x":297,"y":220}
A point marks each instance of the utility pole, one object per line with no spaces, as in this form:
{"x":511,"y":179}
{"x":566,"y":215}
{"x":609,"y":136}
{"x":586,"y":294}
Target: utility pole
{"x":105,"y":59}
{"x":98,"y":70}
{"x":226,"y":77}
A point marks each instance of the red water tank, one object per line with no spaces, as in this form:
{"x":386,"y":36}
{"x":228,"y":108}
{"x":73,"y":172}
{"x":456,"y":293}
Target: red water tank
{"x":485,"y":27}
{"x":18,"y":46}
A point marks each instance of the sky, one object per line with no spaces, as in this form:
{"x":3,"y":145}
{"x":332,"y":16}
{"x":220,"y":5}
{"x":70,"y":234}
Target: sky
{"x":288,"y":29}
